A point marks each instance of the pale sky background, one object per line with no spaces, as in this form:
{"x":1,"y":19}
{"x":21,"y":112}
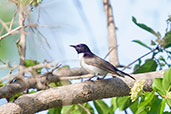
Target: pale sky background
{"x":84,"y":21}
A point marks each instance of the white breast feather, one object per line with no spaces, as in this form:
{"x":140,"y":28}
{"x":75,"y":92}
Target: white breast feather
{"x":91,"y":69}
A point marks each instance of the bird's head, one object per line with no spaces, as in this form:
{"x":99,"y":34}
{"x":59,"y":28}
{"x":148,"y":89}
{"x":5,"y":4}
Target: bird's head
{"x":81,"y":48}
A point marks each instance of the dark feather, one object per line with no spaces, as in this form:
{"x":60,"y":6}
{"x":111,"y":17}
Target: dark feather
{"x":96,"y":61}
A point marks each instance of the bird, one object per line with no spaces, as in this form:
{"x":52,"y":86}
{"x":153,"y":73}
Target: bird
{"x":94,"y":64}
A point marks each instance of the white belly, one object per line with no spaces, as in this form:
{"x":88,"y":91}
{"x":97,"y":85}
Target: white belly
{"x":91,"y":69}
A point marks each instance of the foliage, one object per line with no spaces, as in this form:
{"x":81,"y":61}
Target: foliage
{"x":144,"y":102}
{"x":8,"y":45}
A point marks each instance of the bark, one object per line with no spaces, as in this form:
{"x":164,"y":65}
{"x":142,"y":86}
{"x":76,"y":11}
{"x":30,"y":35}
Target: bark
{"x":112,"y":41}
{"x":77,"y":93}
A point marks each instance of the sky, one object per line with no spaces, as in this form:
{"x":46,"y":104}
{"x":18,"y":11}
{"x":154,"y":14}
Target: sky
{"x":66,"y":22}
{"x":83,"y":21}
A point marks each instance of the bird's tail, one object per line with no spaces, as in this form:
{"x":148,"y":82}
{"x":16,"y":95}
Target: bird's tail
{"x":123,"y":74}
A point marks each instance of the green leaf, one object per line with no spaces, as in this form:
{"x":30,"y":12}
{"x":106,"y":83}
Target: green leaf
{"x":123,"y":102}
{"x":167,"y":79}
{"x":56,"y":110}
{"x":32,"y":91}
{"x":29,"y":63}
{"x":157,"y":85}
{"x":166,"y":112}
{"x":36,"y":2}
{"x":168,"y":99}
{"x":141,"y":43}
{"x":166,"y":41}
{"x":89,"y":108}
{"x":148,"y":98}
{"x":83,"y":109}
{"x":162,"y":105}
{"x":114,"y":103}
{"x":141,"y":110}
{"x":67,"y":109}
{"x":153,"y":43}
{"x":134,"y":107}
{"x":1,"y":84}
{"x":148,"y":66}
{"x":145,"y":27}
{"x":101,"y":107}
{"x":155,"y":105}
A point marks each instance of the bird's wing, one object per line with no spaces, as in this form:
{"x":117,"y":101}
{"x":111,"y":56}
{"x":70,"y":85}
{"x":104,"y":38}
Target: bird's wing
{"x":101,"y":63}
{"x":104,"y":65}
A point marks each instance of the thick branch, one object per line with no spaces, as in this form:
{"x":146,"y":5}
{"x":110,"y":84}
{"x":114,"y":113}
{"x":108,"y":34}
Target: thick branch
{"x":112,"y":42}
{"x":76,"y":93}
{"x":39,"y":81}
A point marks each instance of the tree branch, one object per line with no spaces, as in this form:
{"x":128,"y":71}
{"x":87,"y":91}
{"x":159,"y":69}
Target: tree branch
{"x":40,"y":81}
{"x":77,"y":93}
{"x":10,"y":32}
{"x":21,"y":15}
{"x":112,"y":41}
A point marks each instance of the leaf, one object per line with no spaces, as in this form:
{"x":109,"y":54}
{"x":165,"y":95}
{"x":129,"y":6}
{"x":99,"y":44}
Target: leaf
{"x":166,"y":41}
{"x":145,"y":27}
{"x":141,"y":43}
{"x":169,"y":98}
{"x":1,"y":84}
{"x":56,"y":110}
{"x":114,"y":103}
{"x":134,"y":107}
{"x":148,"y":98}
{"x":36,"y":2}
{"x":101,"y":107}
{"x":157,"y":85}
{"x":141,"y":110}
{"x":167,"y":79}
{"x":153,"y":43}
{"x":148,"y":66}
{"x":89,"y":108}
{"x":162,"y":105}
{"x":166,"y":112}
{"x":29,"y":63}
{"x":155,"y":105}
{"x":123,"y":102}
{"x":67,"y":109}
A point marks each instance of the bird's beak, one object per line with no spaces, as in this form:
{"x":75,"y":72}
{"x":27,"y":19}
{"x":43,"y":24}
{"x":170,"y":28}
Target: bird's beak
{"x":73,"y":46}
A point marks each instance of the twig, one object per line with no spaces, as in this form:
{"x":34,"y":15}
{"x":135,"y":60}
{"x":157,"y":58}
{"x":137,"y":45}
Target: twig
{"x":4,"y":25}
{"x":2,"y":61}
{"x":11,"y":32}
{"x":49,"y":65}
{"x":85,"y":109}
{"x":75,"y":77}
{"x":1,"y":31}
{"x":12,"y":20}
{"x":33,"y":27}
{"x":167,"y":97}
{"x":109,"y":52}
{"x":3,"y":66}
{"x":140,"y":58}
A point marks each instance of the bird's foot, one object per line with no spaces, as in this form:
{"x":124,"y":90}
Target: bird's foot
{"x":90,"y":79}
{"x":98,"y":78}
